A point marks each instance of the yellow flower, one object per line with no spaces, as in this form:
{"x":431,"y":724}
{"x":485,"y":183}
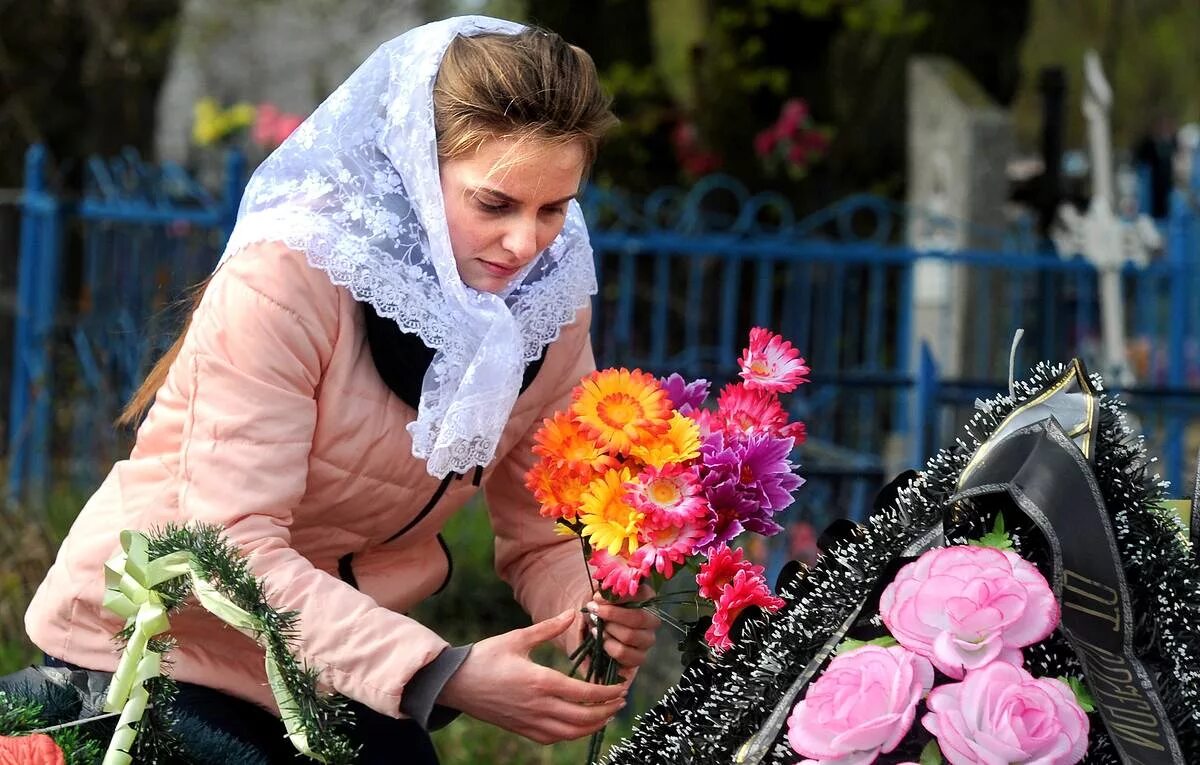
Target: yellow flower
{"x":561,"y":442}
{"x":210,"y":124}
{"x":610,"y":521}
{"x":680,"y":443}
{"x":620,"y":408}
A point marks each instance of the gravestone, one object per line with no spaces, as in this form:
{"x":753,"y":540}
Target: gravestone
{"x":959,"y":143}
{"x":291,"y":53}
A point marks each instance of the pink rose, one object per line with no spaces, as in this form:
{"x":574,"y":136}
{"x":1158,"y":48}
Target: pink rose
{"x":861,"y":706}
{"x":963,"y":607}
{"x":1001,"y":714}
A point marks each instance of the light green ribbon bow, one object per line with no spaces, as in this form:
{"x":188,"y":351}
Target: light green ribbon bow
{"x":129,"y":581}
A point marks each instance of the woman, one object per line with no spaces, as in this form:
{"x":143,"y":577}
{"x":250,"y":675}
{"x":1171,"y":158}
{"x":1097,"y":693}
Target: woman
{"x":403,"y":300}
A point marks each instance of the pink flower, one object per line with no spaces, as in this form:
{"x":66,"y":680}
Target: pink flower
{"x":670,"y":495}
{"x":746,"y":410}
{"x":764,"y":142}
{"x":747,"y":589}
{"x":963,"y":607}
{"x":665,"y":545}
{"x":618,"y":574}
{"x":793,"y":115}
{"x":771,"y":363}
{"x":862,"y":706}
{"x":1002,"y":714}
{"x":720,"y":568}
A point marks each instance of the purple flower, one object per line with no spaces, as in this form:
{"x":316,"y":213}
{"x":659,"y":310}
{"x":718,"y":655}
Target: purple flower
{"x":685,"y":396}
{"x":757,"y":463}
{"x":765,"y":468}
{"x":728,"y":508}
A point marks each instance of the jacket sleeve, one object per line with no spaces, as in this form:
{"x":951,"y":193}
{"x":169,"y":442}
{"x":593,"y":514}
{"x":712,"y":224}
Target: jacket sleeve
{"x":250,"y":369}
{"x":545,"y":568}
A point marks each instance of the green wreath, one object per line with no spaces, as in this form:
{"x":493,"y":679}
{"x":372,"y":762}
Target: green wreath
{"x":151,"y":577}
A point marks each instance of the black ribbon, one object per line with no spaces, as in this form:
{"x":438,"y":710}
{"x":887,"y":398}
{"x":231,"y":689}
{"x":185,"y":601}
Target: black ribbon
{"x":1047,"y":478}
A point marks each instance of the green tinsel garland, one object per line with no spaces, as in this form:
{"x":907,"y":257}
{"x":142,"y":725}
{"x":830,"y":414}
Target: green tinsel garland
{"x":165,"y":735}
{"x":721,"y":701}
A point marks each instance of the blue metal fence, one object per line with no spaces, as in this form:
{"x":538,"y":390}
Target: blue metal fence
{"x":684,"y":274}
{"x":137,"y":237}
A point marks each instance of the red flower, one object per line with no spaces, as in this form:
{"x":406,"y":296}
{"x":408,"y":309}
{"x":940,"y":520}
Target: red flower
{"x":37,"y":749}
{"x":719,"y":570}
{"x":747,"y":589}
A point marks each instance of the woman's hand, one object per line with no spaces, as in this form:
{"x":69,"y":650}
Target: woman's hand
{"x":499,"y":684}
{"x":628,"y":632}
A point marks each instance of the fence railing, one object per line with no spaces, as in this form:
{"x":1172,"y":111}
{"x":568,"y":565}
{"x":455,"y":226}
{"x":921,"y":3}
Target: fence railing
{"x":684,"y":274}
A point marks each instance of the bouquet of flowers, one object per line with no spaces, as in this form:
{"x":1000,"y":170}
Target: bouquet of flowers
{"x":652,"y":482}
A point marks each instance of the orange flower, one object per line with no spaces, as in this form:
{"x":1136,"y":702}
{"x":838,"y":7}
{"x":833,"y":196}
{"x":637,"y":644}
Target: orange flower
{"x":680,"y":443}
{"x":561,"y":442}
{"x":558,"y":490}
{"x":620,"y":408}
{"x":610,"y":520}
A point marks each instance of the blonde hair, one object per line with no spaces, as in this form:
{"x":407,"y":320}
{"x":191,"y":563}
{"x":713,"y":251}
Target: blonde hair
{"x":531,"y":86}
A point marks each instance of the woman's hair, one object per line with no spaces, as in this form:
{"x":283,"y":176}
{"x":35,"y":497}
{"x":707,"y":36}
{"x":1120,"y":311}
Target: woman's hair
{"x":530,"y":86}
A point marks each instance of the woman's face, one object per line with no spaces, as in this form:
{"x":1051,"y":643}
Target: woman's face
{"x":505,"y":204}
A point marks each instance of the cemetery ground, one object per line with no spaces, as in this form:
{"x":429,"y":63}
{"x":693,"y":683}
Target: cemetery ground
{"x":474,"y":604}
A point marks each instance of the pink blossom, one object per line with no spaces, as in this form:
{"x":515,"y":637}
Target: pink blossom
{"x":862,"y":706}
{"x":1002,"y":714}
{"x":670,"y":495}
{"x":720,"y":568}
{"x":747,"y":589}
{"x":666,"y":545}
{"x":964,"y":607}
{"x":764,"y":142}
{"x":618,"y":574}
{"x":793,"y":115}
{"x":770,"y":363}
{"x":746,"y":410}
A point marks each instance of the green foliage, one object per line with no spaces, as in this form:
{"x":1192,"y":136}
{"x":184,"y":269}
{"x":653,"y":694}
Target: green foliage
{"x":1083,"y":696}
{"x":997,"y":537}
{"x":850,"y":644}
{"x":931,"y":754}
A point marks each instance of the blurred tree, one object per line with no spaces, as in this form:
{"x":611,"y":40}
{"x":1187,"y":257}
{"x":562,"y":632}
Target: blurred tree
{"x":81,"y":76}
{"x":724,"y":67}
{"x":1151,"y":54}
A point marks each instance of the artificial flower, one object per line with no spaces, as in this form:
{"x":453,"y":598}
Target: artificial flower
{"x":563,"y":443}
{"x":964,"y":607}
{"x":618,"y":574}
{"x":680,"y":442}
{"x":1001,"y":713}
{"x":770,"y":363}
{"x":670,"y":495}
{"x":685,"y":396}
{"x":745,"y":590}
{"x":559,"y":491}
{"x":33,"y":749}
{"x":728,"y":506}
{"x":861,"y":706}
{"x":745,"y":410}
{"x":718,"y":571}
{"x":666,"y":545}
{"x":609,"y":520}
{"x":620,"y":408}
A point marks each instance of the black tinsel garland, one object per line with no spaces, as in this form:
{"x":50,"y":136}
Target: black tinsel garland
{"x":721,"y":701}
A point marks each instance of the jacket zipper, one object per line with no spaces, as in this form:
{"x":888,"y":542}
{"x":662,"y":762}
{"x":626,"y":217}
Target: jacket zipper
{"x":345,"y":563}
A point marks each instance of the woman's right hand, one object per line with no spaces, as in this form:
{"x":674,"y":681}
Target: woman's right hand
{"x":499,"y":684}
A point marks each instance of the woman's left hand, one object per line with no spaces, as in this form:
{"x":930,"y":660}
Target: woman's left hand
{"x":628,"y":632}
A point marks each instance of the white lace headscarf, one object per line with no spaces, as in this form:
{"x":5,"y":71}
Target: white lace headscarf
{"x":356,"y":188}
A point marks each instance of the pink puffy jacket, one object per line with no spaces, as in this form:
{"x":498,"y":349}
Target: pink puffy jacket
{"x":274,"y":423}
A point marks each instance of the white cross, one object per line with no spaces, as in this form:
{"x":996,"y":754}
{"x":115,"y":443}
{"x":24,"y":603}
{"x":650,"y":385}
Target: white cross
{"x":1107,"y":241}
